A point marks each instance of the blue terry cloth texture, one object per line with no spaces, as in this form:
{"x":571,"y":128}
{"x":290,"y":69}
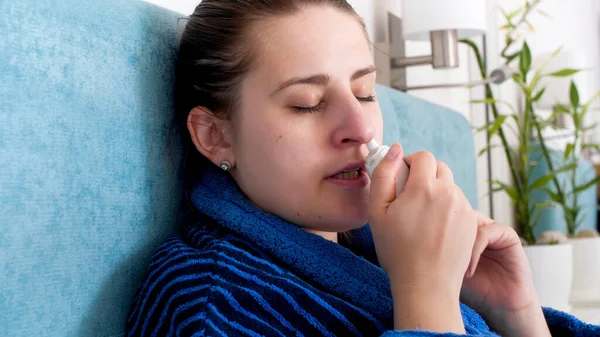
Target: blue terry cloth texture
{"x":238,"y":271}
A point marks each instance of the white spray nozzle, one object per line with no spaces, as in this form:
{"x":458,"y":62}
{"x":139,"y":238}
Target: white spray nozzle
{"x":372,"y":145}
{"x":376,"y":154}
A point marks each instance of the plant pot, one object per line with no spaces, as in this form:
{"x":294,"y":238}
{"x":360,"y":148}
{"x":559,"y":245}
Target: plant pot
{"x":586,"y":269}
{"x":552,"y":271}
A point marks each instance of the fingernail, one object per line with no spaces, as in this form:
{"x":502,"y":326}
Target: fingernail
{"x":393,"y":152}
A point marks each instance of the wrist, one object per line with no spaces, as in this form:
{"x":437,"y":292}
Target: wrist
{"x":529,"y":321}
{"x":427,"y":308}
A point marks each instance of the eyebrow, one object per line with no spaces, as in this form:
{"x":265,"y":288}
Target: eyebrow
{"x":322,"y":79}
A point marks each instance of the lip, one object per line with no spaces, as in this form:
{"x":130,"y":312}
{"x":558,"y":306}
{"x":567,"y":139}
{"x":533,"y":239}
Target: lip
{"x":351,"y":166}
{"x":357,"y":183}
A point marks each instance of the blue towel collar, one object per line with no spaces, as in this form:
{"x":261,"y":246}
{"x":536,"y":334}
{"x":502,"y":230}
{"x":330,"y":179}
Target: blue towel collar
{"x":327,"y":265}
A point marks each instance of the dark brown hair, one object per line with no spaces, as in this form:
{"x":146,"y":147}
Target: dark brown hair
{"x":215,"y":53}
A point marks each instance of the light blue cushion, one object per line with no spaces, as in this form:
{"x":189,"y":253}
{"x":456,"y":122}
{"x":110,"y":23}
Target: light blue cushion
{"x":552,"y":218}
{"x":420,"y":125}
{"x":88,"y":189}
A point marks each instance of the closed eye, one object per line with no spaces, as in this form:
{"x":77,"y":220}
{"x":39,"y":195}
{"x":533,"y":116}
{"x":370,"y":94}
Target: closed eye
{"x":308,"y":109}
{"x":316,"y":108}
{"x":371,"y":98}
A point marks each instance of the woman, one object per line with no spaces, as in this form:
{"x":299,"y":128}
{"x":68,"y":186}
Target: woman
{"x":280,"y":95}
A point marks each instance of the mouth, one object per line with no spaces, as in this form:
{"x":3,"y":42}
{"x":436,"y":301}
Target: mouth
{"x":350,"y":171}
{"x":353,"y":175}
{"x":348,"y":174}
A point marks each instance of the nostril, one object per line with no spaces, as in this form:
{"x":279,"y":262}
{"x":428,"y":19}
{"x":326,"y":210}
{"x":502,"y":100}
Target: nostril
{"x":345,"y":140}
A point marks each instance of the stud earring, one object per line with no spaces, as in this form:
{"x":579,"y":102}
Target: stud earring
{"x":225,"y":165}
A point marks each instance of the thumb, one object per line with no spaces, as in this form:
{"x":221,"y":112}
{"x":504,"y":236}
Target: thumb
{"x":383,"y":180}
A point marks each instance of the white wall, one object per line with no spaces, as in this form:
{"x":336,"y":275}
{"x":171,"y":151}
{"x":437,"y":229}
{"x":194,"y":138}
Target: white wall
{"x":182,"y":6}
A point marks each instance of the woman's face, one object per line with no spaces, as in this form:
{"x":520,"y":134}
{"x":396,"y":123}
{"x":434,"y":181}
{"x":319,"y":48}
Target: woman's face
{"x":307,"y":110}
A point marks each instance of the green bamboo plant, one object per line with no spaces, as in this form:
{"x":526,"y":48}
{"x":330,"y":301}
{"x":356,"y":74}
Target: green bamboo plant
{"x":528,"y":127}
{"x":576,"y":112}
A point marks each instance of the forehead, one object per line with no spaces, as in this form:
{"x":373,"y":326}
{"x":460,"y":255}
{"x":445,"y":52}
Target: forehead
{"x":314,"y":40}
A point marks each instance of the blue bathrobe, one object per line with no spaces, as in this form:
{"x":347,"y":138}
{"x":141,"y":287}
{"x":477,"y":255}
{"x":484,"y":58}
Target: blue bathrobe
{"x":238,"y":271}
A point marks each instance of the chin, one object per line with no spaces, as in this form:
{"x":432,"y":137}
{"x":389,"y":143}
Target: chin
{"x":347,"y":216}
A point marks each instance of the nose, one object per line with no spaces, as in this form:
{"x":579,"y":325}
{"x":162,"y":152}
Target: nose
{"x":354,"y":125}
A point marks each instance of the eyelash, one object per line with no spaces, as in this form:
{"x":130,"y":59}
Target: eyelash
{"x":311,"y":109}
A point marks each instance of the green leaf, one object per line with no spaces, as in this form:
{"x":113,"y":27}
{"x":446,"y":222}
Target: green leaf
{"x":514,"y":13}
{"x":482,"y":101}
{"x":519,"y":79}
{"x":538,"y":95}
{"x":511,"y":15}
{"x":484,"y":127}
{"x":574,"y":95}
{"x":493,"y":101}
{"x":511,"y":57}
{"x":536,"y":220}
{"x":590,"y":127}
{"x":544,"y":13}
{"x":531,"y":28}
{"x":482,"y":151}
{"x":556,"y":51}
{"x":497,"y":124}
{"x":545,"y":179}
{"x":577,"y":120}
{"x":557,"y":198}
{"x":525,"y":59}
{"x":564,"y":168}
{"x":516,"y":119}
{"x":595,"y":97}
{"x":559,"y":107}
{"x":579,"y":222}
{"x":564,"y":72}
{"x":568,"y":150}
{"x":510,"y":191}
{"x":541,"y":182}
{"x":587,"y":185}
{"x":590,"y":146}
{"x":493,"y":126}
{"x":545,"y":204}
{"x":587,"y":105}
{"x":534,"y":81}
{"x":487,"y":148}
{"x":504,"y":14}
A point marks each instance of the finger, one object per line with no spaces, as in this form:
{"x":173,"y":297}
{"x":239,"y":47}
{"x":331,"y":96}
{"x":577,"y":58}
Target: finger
{"x":481,"y":242}
{"x":494,"y":236}
{"x":423,"y":166}
{"x":483,"y":219}
{"x":383,"y":180}
{"x":444,"y":172}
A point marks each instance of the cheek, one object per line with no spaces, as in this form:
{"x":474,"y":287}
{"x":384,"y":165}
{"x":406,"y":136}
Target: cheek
{"x":276,"y":147}
{"x":295,"y":151}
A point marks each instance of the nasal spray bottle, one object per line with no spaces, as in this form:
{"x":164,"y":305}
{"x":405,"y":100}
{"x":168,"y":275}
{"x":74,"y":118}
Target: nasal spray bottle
{"x":376,"y":154}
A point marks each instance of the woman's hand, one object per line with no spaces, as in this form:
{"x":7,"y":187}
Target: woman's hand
{"x":498,"y":283}
{"x":423,"y":238}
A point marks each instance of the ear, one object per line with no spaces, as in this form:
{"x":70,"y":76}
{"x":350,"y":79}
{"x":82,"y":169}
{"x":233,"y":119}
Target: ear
{"x":211,"y":135}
